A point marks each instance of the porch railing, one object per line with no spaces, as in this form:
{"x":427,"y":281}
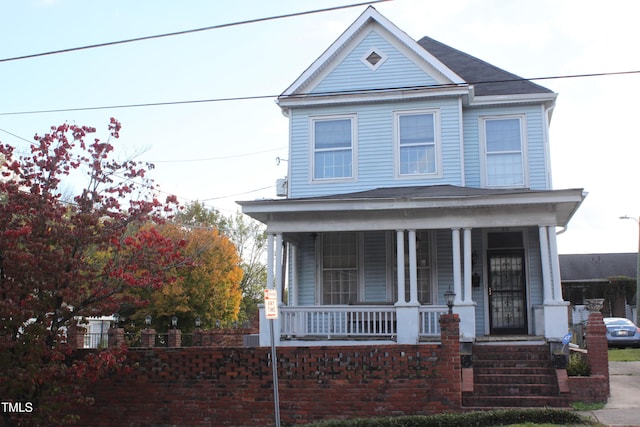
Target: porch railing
{"x":430,"y":320}
{"x":362,"y":321}
{"x":338,"y":321}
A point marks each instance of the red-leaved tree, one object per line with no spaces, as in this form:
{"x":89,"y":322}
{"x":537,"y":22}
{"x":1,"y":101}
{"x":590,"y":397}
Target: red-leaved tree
{"x":64,"y":259}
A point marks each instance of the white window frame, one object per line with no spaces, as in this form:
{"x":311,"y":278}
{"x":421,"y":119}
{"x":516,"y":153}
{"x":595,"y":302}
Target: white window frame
{"x":523,"y":150}
{"x":354,"y":151}
{"x":358,"y":269}
{"x":383,"y":57}
{"x":437,"y":145}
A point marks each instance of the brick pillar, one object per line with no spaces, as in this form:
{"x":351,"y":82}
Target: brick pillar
{"x":197,"y":338}
{"x":148,"y":337}
{"x":597,"y":347}
{"x":75,"y":337}
{"x":116,"y":337}
{"x":449,"y":367}
{"x":175,"y":338}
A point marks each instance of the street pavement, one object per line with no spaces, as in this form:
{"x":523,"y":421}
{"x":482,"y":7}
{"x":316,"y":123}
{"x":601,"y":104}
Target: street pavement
{"x":623,"y":406}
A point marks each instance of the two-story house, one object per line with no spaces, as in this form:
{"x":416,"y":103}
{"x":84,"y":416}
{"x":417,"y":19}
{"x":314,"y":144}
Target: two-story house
{"x":415,"y":170}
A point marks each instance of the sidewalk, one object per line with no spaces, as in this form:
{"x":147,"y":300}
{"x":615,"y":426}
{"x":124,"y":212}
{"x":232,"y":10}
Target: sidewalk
{"x":623,"y":406}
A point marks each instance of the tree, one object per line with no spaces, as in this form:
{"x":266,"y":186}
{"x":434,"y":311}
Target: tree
{"x":62,"y":261}
{"x":250,"y":241}
{"x":209,"y":288}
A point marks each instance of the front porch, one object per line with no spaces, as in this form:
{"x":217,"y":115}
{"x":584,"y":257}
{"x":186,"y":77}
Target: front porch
{"x":375,"y":266}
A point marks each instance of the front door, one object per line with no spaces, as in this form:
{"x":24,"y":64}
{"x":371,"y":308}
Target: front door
{"x":507,"y":292}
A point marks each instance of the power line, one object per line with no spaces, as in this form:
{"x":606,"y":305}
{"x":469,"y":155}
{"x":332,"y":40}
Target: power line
{"x":195,"y":30}
{"x":320,"y":94}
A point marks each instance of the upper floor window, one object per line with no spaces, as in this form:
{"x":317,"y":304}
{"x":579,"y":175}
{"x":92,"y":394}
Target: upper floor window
{"x":417,"y":143}
{"x":333,"y":147}
{"x":504,"y":152}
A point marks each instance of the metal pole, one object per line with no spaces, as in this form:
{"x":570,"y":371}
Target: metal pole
{"x":274,"y":360}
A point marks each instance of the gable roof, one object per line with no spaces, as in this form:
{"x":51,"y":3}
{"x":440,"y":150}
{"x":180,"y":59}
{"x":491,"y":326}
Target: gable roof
{"x":487,"y":79}
{"x":453,"y":68}
{"x":597,"y":267}
{"x":445,"y":74}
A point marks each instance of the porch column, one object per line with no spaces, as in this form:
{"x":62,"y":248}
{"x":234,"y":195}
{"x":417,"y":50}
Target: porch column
{"x":400,"y":265}
{"x":556,"y":317}
{"x":293,"y":283}
{"x":457,"y":281}
{"x":274,"y":255}
{"x":278,"y":267}
{"x":467,"y":265}
{"x":413,"y":269}
{"x":407,"y":314}
{"x":270,"y":246}
{"x":546,"y":269}
{"x":555,"y":265}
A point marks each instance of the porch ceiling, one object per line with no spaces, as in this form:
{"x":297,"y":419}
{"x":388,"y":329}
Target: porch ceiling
{"x":429,"y":207}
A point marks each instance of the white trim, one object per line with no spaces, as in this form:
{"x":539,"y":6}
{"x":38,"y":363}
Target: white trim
{"x":369,"y":15}
{"x":353,"y":117}
{"x":373,"y":67}
{"x":437,"y":144}
{"x":484,"y":180}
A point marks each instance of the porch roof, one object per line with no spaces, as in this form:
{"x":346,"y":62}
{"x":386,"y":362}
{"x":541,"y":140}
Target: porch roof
{"x":420,"y":207}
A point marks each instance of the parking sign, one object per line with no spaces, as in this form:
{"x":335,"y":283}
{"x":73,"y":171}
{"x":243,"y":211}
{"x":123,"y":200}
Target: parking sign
{"x":271,"y":303}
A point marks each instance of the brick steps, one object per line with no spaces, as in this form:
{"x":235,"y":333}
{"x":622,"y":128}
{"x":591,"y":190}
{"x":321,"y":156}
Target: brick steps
{"x":513,"y":376}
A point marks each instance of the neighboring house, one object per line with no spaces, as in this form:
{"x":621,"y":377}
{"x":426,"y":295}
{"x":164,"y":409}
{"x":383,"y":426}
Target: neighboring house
{"x":608,"y":276}
{"x":414,"y":169}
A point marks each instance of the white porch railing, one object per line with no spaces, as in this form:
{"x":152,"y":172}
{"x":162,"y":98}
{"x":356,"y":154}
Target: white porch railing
{"x":430,"y":320}
{"x":366,"y":321}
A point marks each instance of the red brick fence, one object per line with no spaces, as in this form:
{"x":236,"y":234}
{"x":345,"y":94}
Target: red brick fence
{"x":232,"y":386}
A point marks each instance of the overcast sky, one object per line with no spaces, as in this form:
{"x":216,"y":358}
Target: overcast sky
{"x":219,"y":152}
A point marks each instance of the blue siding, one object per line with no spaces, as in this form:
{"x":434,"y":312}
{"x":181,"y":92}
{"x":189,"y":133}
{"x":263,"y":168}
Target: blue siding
{"x":375,"y":266}
{"x":374,"y":148}
{"x":535,"y":143}
{"x":353,"y":74}
{"x":535,"y":267}
{"x":306,"y":285}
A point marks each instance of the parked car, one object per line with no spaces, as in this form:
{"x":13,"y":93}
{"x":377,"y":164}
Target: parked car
{"x":622,"y":332}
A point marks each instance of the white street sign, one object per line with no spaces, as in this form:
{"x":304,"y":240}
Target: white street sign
{"x":271,"y":303}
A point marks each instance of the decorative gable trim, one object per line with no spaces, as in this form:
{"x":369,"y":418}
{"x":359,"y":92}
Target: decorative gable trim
{"x":374,"y":58}
{"x":368,"y":16}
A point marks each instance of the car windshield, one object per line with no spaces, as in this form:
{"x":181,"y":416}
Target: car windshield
{"x":618,"y":322}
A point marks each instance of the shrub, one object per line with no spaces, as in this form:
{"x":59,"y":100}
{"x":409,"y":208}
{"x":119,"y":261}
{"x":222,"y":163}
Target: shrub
{"x":578,"y":365}
{"x":468,"y":419}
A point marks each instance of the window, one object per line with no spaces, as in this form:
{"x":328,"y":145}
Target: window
{"x":417,"y":140}
{"x":423,"y":260}
{"x":504,"y":152}
{"x":333,"y":148}
{"x":339,"y":268}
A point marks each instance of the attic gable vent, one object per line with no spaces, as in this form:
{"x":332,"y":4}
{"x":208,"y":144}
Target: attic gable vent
{"x":374,"y":58}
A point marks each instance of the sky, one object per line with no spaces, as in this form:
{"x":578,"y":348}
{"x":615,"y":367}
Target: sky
{"x":224,"y":151}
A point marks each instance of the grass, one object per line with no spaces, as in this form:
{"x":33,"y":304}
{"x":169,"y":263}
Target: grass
{"x":624,"y":355}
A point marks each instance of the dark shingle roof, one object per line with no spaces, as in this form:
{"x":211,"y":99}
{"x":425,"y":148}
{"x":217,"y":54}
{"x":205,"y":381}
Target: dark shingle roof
{"x":475,"y":71}
{"x":597,"y":267}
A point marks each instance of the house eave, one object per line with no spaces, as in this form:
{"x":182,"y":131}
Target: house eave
{"x":554,"y":207}
{"x":369,"y":96}
{"x":548,"y":99}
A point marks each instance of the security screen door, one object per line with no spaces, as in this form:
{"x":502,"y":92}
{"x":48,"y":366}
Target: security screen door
{"x":507,"y":292}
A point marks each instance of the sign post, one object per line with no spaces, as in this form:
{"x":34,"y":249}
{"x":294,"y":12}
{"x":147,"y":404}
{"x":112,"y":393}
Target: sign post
{"x":271,"y":313}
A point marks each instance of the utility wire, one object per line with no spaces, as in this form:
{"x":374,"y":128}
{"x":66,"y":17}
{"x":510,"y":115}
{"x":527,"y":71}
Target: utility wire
{"x":195,"y":30}
{"x":320,"y":94}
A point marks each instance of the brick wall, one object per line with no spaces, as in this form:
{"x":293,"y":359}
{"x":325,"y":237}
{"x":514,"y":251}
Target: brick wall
{"x":232,"y":386}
